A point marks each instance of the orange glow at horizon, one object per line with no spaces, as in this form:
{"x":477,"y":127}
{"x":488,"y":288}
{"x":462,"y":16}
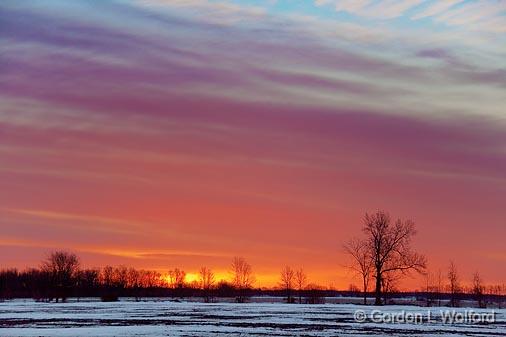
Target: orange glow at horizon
{"x":266,"y":269}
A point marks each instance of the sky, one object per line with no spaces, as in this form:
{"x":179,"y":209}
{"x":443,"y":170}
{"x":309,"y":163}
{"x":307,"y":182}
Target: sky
{"x":163,"y":134}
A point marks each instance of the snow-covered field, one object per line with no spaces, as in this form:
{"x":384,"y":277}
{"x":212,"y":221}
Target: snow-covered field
{"x":165,"y":318}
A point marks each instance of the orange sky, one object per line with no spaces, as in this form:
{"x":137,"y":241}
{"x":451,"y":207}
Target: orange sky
{"x":177,"y":142}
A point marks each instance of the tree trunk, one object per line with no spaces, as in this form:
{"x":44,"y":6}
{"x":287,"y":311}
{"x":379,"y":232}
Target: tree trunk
{"x":378,"y":290}
{"x":365,"y":292}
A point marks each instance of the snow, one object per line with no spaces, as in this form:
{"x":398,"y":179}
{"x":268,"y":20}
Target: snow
{"x":167,"y":318}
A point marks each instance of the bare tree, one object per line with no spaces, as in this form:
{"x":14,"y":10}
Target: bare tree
{"x":177,"y":281}
{"x":496,"y":293}
{"x":62,"y":268}
{"x":133,"y":278}
{"x":478,"y":288}
{"x":352,"y":288}
{"x":287,"y":279}
{"x":133,"y":282}
{"x":206,"y":280}
{"x":389,"y":283}
{"x":242,"y":273}
{"x":439,"y":286}
{"x":152,"y":279}
{"x":454,"y":285}
{"x":242,"y":277}
{"x":90,"y":278}
{"x":389,"y":246}
{"x":107,"y":276}
{"x":362,"y":261}
{"x":433,"y":287}
{"x":300,"y":282}
{"x":177,"y":278}
{"x":429,"y":288}
{"x":315,"y":294}
{"x":120,"y":275}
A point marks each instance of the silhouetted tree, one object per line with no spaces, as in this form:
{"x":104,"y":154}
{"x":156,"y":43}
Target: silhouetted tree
{"x":454,"y":284}
{"x":133,"y":282}
{"x":389,"y":284}
{"x":120,"y":277}
{"x":389,"y":246}
{"x":38,"y":283}
{"x":287,"y":279}
{"x":206,"y":280}
{"x":225,"y":289}
{"x":433,"y":287}
{"x":354,"y":290}
{"x":87,"y":281}
{"x":107,"y":276}
{"x":478,"y":289}
{"x":133,"y":278}
{"x":242,"y":277}
{"x":62,"y":268}
{"x":314,"y":294}
{"x":494,"y":292}
{"x":428,"y":288}
{"x":9,"y":282}
{"x":152,"y":279}
{"x":439,"y":286}
{"x":300,"y":282}
{"x":363,"y":262}
{"x":109,"y":293}
{"x":177,"y":281}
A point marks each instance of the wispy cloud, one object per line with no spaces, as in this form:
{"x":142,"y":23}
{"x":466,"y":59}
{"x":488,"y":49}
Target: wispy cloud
{"x":436,"y":8}
{"x":216,"y":12}
{"x":81,"y":218}
{"x":389,"y":9}
{"x":468,"y":15}
{"x":384,"y":9}
{"x":487,"y":16}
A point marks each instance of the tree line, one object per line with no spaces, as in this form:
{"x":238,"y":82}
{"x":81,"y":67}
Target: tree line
{"x":382,"y":256}
{"x":60,"y":276}
{"x":449,"y":283}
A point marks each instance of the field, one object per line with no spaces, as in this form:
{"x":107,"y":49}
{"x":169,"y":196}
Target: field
{"x":166,"y":318}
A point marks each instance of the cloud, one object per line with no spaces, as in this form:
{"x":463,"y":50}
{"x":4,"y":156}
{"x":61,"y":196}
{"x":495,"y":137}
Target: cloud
{"x":389,"y":9}
{"x":266,"y":70}
{"x":435,"y":53}
{"x":84,"y":77}
{"x":384,"y":9}
{"x":436,"y":8}
{"x":50,"y":215}
{"x":472,"y":12}
{"x":350,"y":6}
{"x":216,"y":12}
{"x":483,"y":16}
